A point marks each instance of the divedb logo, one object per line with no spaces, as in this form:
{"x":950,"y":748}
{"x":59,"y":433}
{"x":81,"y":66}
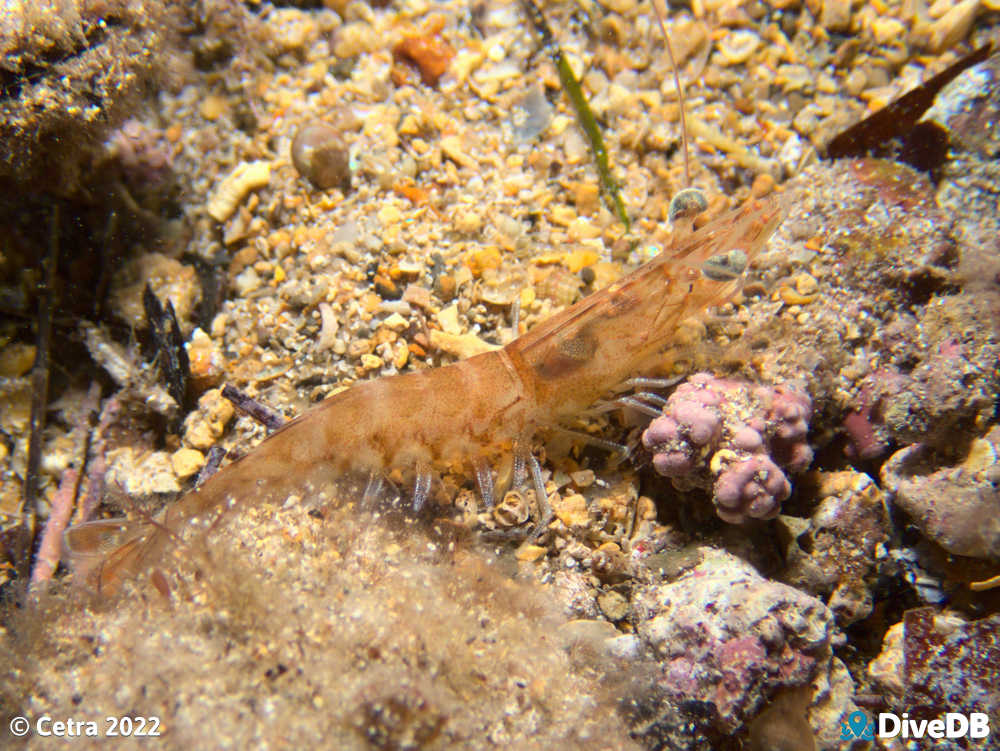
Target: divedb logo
{"x":860,"y":726}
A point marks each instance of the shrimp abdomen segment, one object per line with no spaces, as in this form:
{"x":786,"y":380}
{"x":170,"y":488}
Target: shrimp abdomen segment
{"x":443,"y":415}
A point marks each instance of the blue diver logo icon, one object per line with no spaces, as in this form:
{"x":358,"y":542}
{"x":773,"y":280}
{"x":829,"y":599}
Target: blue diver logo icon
{"x":857,"y":725}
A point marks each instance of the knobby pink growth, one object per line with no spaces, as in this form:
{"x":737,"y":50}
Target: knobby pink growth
{"x":734,"y":438}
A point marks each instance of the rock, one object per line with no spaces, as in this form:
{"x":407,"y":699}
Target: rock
{"x":950,"y":663}
{"x":886,"y":670}
{"x":955,"y":505}
{"x":170,"y":281}
{"x":841,"y":538}
{"x":727,"y":639}
{"x":70,"y":71}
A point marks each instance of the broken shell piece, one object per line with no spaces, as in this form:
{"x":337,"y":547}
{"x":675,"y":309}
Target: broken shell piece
{"x":234,"y":188}
{"x":512,"y":510}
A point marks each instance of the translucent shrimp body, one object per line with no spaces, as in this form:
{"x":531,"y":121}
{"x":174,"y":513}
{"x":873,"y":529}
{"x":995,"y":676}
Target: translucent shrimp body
{"x":466,"y":413}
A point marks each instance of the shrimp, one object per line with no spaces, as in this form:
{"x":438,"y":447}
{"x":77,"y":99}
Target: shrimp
{"x":472,"y":412}
{"x":468,"y":413}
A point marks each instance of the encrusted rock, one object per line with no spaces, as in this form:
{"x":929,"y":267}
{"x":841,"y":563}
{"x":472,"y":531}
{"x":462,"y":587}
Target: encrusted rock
{"x":142,"y":473}
{"x":834,"y":556}
{"x":205,"y":426}
{"x":951,"y":663}
{"x":956,"y":505}
{"x":727,"y":639}
{"x":68,"y":72}
{"x":170,"y":281}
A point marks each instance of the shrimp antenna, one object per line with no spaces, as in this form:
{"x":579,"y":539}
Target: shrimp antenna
{"x":690,"y":201}
{"x":680,"y":90}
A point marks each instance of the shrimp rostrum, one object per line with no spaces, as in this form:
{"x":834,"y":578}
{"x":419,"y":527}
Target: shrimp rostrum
{"x":468,"y":414}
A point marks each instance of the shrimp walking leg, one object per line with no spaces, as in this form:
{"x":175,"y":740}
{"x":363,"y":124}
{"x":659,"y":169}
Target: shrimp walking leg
{"x":484,"y":479}
{"x":421,"y":487}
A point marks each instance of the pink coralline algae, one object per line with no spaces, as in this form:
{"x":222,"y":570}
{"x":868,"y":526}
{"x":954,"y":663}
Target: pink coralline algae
{"x":727,"y":639}
{"x":735,"y":437}
{"x":143,"y":153}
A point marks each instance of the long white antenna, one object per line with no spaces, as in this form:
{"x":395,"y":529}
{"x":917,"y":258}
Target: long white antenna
{"x":690,"y":201}
{"x":680,"y":91}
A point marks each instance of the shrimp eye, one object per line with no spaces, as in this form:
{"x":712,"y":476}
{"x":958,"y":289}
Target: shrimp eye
{"x":687,"y":204}
{"x":724,"y":267}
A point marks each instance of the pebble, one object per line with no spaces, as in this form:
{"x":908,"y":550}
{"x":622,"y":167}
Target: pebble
{"x":447,"y":318}
{"x":16,"y":359}
{"x":562,"y":215}
{"x":213,"y":107}
{"x":856,"y":82}
{"x":762,"y":185}
{"x":247,"y":282}
{"x":414,"y":294}
{"x":806,"y":284}
{"x":736,"y":47}
{"x":468,"y":221}
{"x":446,"y":286}
{"x":581,"y":228}
{"x":321,"y":156}
{"x":836,"y":15}
{"x":329,"y":325}
{"x":953,"y":26}
{"x":887,"y":30}
{"x":396,"y":322}
{"x":572,"y":510}
{"x":371,"y":362}
{"x":207,"y":363}
{"x":186,"y":462}
{"x":431,"y":55}
{"x":530,"y":553}
{"x":206,"y":425}
{"x":461,"y":346}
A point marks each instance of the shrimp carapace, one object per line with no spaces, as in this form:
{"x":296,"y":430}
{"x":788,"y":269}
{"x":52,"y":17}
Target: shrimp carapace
{"x":463,"y":415}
